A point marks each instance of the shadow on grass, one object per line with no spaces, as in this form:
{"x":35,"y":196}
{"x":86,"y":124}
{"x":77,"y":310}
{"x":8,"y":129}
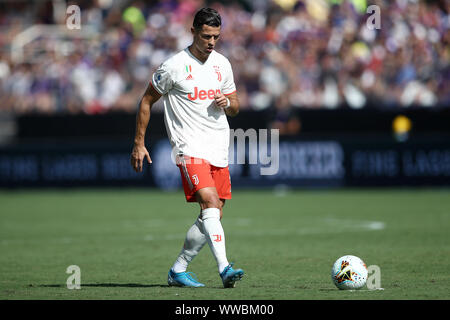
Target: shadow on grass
{"x":108,"y":285}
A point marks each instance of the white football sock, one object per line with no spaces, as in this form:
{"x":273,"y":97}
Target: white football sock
{"x":195,"y":240}
{"x":215,"y":236}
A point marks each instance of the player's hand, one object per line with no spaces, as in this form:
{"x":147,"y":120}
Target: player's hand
{"x":137,"y":157}
{"x":221,"y":100}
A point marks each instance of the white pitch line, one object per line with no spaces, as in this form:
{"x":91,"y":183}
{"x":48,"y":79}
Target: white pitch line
{"x":331,"y":225}
{"x":356,"y":224}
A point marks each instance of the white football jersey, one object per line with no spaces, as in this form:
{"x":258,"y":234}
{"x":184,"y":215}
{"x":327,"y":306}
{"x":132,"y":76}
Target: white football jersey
{"x":195,"y":125}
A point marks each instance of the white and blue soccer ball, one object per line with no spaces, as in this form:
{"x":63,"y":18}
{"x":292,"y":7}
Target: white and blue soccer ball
{"x":349,"y":273}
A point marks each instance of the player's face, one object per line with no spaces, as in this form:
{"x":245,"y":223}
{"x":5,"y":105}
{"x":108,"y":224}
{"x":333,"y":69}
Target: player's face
{"x":205,"y":39}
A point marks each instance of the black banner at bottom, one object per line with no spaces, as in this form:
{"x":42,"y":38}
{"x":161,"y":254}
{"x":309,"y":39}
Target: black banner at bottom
{"x":222,"y":309}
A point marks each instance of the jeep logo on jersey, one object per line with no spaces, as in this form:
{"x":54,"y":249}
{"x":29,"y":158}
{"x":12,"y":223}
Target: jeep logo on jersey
{"x":203,"y":94}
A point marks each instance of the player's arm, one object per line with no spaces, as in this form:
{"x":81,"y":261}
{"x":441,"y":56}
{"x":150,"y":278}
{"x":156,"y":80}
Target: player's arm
{"x":229,"y":103}
{"x":143,"y":117}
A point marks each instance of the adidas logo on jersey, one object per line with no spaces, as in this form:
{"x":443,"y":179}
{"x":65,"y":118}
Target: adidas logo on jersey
{"x":190,"y":77}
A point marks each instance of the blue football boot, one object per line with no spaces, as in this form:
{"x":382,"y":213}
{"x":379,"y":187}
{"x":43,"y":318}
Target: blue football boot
{"x":230,"y":276}
{"x":183,"y":279}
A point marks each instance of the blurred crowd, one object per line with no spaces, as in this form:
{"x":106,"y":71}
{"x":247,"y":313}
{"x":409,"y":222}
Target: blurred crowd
{"x":285,"y":54}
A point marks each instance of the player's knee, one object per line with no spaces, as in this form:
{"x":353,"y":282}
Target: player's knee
{"x":210,"y":201}
{"x":208,"y":198}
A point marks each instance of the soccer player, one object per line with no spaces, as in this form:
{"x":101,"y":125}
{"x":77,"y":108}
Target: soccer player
{"x":198,"y":91}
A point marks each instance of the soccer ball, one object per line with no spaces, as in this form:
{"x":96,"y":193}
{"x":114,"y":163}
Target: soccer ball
{"x":349,"y":273}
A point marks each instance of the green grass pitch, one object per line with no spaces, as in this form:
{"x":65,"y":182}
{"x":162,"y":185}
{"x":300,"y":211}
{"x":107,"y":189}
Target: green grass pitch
{"x":125,"y":241}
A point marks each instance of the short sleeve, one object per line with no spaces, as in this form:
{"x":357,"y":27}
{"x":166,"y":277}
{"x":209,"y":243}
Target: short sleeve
{"x":228,"y":86}
{"x":162,"y":80}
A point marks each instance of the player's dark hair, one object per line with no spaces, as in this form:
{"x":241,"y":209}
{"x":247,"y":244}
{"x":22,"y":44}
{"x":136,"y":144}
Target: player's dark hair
{"x":207,"y":16}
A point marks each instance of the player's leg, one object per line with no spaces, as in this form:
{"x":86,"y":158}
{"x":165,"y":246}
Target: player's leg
{"x":193,"y":243}
{"x":222,"y":182}
{"x":211,"y":206}
{"x":195,"y":238}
